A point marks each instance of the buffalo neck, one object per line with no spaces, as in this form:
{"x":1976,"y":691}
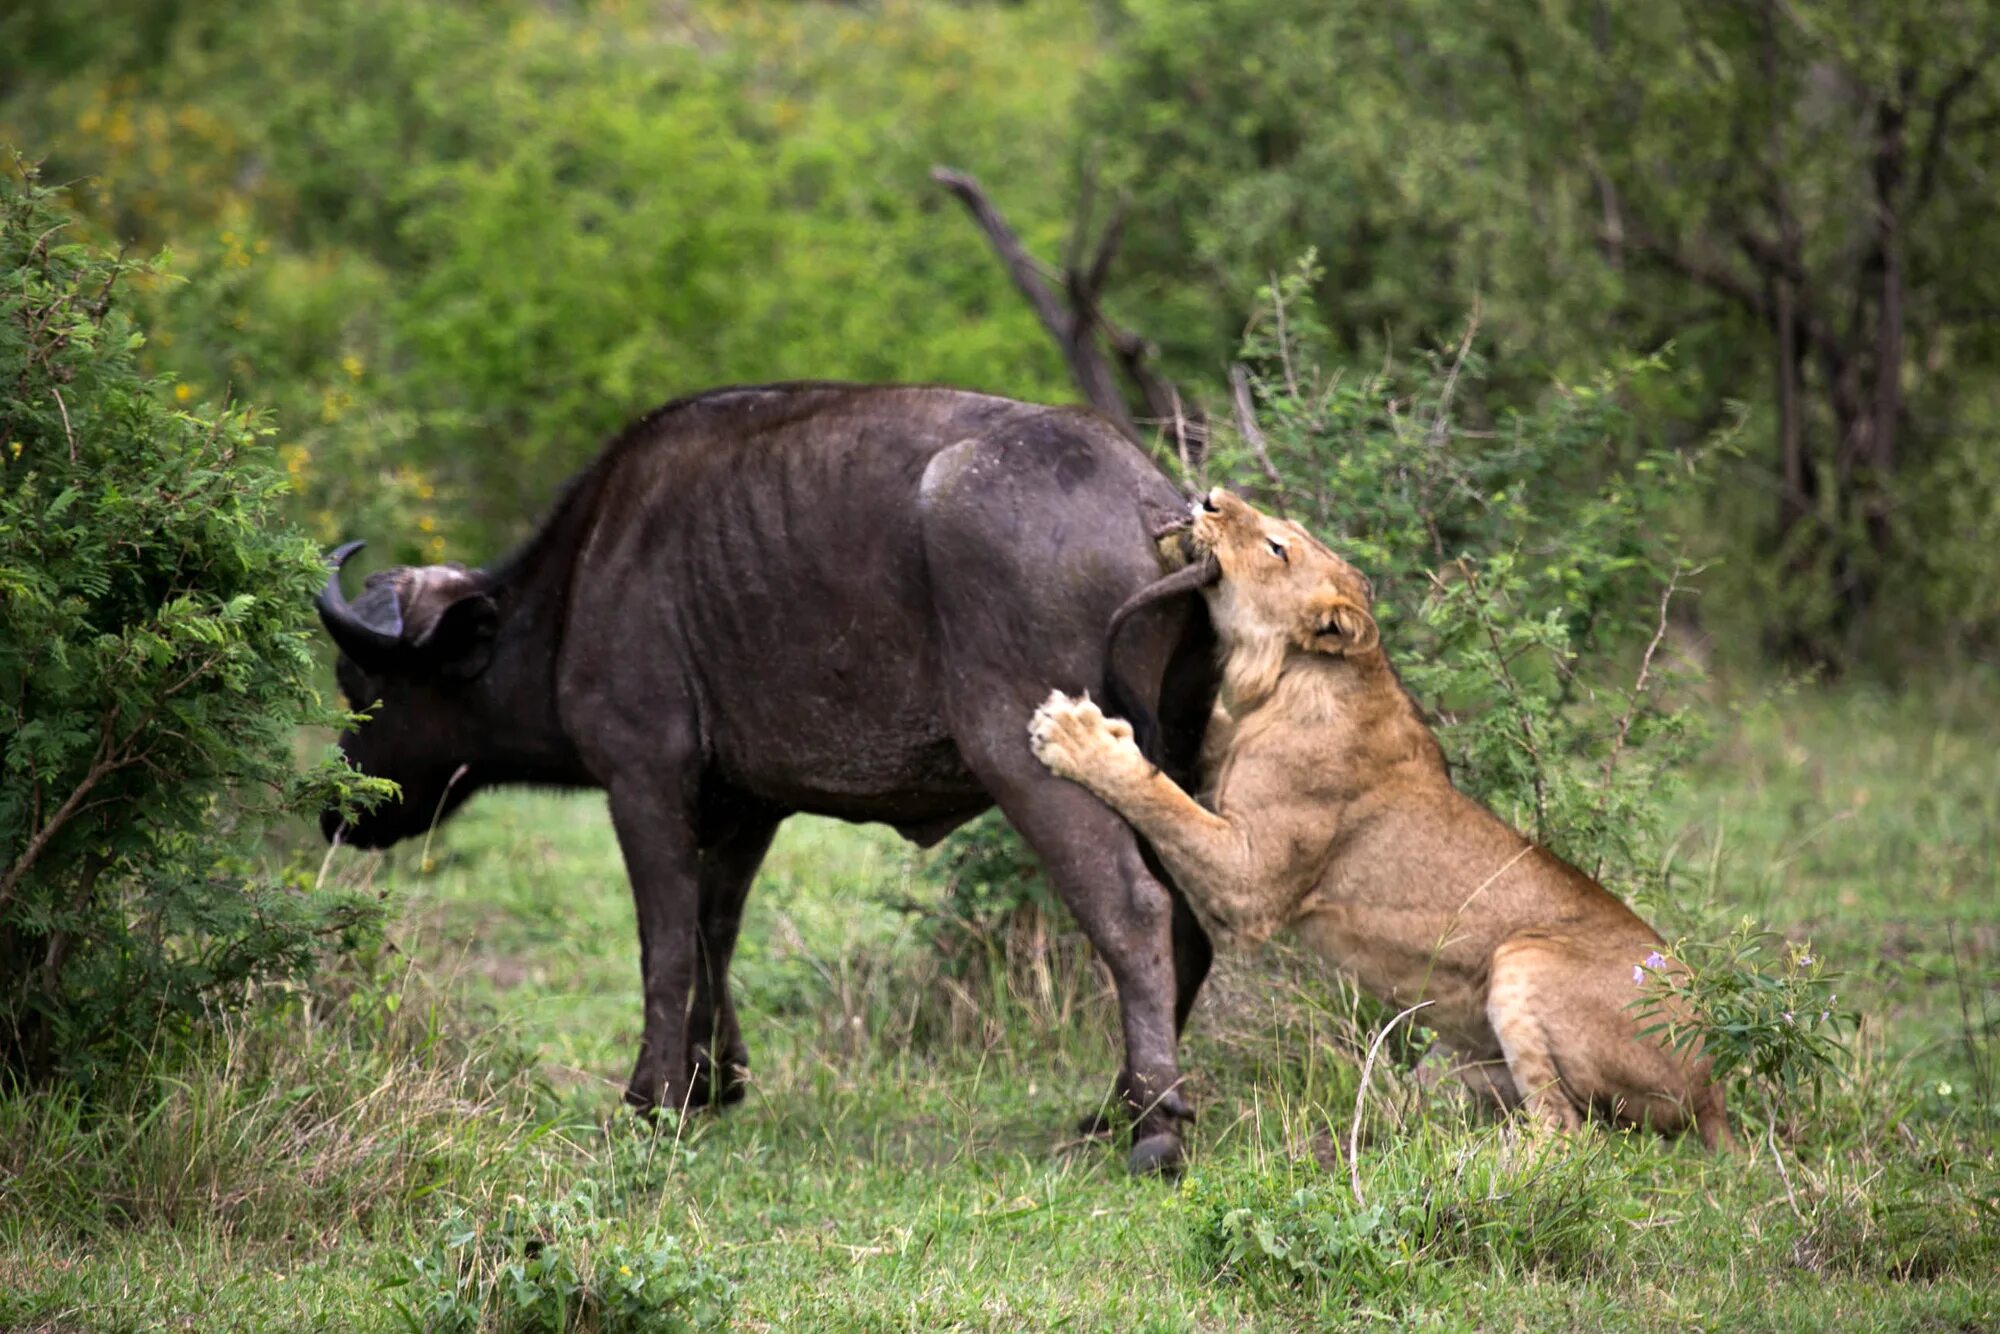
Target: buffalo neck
{"x":532,"y":591}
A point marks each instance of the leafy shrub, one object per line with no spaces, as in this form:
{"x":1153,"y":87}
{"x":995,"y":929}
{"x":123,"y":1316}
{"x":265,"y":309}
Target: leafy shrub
{"x":1434,"y":1203}
{"x":990,"y":882}
{"x":1764,"y":1010}
{"x":155,"y":665}
{"x":558,"y":1266}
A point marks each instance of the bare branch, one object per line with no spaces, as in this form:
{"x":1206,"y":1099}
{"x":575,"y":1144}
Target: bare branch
{"x":66,"y":427}
{"x":1253,"y":435}
{"x":1931,"y":158}
{"x":1071,"y":332}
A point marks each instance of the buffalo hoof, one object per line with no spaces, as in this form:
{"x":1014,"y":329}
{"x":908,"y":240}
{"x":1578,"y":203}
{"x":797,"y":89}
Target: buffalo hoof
{"x":1162,"y":1155}
{"x":657,"y":1115}
{"x":1097,"y":1123}
{"x":706,"y":1090}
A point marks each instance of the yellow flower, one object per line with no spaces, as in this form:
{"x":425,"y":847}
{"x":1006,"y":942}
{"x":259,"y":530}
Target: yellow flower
{"x":427,"y":524}
{"x":15,"y":446}
{"x":352,"y":365}
{"x":183,"y":392}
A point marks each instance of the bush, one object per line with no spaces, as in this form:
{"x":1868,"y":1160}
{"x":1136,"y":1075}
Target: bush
{"x":558,"y":1266}
{"x":155,"y":664}
{"x":1524,"y":567}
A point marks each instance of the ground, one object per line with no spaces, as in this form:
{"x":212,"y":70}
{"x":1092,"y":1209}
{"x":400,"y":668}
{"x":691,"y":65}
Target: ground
{"x":907,"y":1155}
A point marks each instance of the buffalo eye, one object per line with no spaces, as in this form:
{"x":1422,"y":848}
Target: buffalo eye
{"x":1278,"y":549}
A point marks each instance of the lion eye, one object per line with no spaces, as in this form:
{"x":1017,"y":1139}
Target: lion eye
{"x":1278,"y":549}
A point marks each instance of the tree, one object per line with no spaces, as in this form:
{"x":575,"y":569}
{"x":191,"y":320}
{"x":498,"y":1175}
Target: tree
{"x":1794,"y":195}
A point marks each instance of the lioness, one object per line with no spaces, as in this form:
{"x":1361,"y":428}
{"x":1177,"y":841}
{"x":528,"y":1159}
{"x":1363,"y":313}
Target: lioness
{"x":1334,"y":814}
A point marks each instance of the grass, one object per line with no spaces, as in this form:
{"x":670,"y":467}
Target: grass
{"x":905,"y":1157}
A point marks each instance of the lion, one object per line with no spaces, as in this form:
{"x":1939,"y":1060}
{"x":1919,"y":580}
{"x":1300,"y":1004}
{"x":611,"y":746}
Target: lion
{"x":1334,"y":814}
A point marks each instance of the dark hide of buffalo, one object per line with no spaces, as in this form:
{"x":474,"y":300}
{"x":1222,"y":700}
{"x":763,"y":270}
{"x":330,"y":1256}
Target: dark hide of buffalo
{"x":832,"y":599}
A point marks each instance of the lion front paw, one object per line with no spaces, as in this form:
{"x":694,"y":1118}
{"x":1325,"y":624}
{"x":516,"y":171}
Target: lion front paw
{"x":1074,"y":738}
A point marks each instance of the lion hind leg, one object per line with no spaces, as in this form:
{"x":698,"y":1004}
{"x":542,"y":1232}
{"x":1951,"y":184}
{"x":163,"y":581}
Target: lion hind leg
{"x":1565,"y":1020}
{"x":1517,"y":1001}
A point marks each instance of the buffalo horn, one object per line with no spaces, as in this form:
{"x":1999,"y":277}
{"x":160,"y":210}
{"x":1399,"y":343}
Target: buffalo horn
{"x":366,"y":644}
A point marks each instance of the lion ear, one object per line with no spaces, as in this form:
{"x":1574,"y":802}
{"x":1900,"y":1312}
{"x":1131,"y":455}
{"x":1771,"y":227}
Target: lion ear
{"x":1343,"y":627}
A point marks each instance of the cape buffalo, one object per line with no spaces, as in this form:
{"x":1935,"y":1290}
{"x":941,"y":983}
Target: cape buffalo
{"x":833,"y":599}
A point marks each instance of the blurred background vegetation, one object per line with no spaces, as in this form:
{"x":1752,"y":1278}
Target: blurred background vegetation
{"x":453,"y":246}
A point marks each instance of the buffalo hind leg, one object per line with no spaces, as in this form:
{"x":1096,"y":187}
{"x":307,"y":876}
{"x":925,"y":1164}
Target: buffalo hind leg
{"x":1095,"y":865}
{"x":1192,"y":956}
{"x":718,"y":1058}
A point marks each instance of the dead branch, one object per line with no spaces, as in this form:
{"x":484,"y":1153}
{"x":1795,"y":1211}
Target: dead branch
{"x":1071,"y":332}
{"x":1253,"y":434}
{"x":1075,"y":319}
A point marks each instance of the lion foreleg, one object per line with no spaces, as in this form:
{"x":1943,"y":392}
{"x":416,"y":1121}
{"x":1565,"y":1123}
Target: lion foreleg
{"x":1208,"y":856}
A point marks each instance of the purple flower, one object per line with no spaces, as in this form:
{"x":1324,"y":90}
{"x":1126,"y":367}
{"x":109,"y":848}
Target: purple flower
{"x":1656,"y":960}
{"x":1788,"y":1016}
{"x":1638,"y":974}
{"x":1805,"y":960}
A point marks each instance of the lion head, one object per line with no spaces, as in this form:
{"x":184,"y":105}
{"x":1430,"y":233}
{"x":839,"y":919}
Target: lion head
{"x":1278,"y":593}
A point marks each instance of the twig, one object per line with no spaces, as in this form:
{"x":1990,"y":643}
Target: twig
{"x":1253,"y":435}
{"x":1181,"y":444}
{"x":1441,"y":419}
{"x":1638,"y":695}
{"x":65,"y":416}
{"x":1284,"y":337}
{"x":1361,"y":1096}
{"x":1771,"y":1138}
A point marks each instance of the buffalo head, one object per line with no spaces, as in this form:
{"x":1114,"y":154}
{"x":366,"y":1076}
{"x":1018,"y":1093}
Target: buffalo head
{"x":413,"y":649}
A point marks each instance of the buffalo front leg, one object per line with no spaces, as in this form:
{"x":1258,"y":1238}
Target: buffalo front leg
{"x":719,"y":1060}
{"x":657,"y":837}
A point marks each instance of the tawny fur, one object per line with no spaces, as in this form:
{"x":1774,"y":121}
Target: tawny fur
{"x":1333,"y":814}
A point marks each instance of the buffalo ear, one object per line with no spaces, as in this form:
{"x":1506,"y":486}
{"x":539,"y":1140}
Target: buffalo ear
{"x":460,"y":644}
{"x":1342,"y":627}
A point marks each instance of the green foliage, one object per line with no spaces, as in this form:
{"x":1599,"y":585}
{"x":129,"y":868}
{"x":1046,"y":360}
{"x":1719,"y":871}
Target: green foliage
{"x":453,"y":247}
{"x":155,"y":662}
{"x":559,"y":1265}
{"x":1763,"y":1010}
{"x":1432,"y":1206}
{"x":1788,"y":196}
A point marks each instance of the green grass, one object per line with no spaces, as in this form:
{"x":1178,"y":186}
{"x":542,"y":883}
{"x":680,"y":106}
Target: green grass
{"x":905,"y":1158}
